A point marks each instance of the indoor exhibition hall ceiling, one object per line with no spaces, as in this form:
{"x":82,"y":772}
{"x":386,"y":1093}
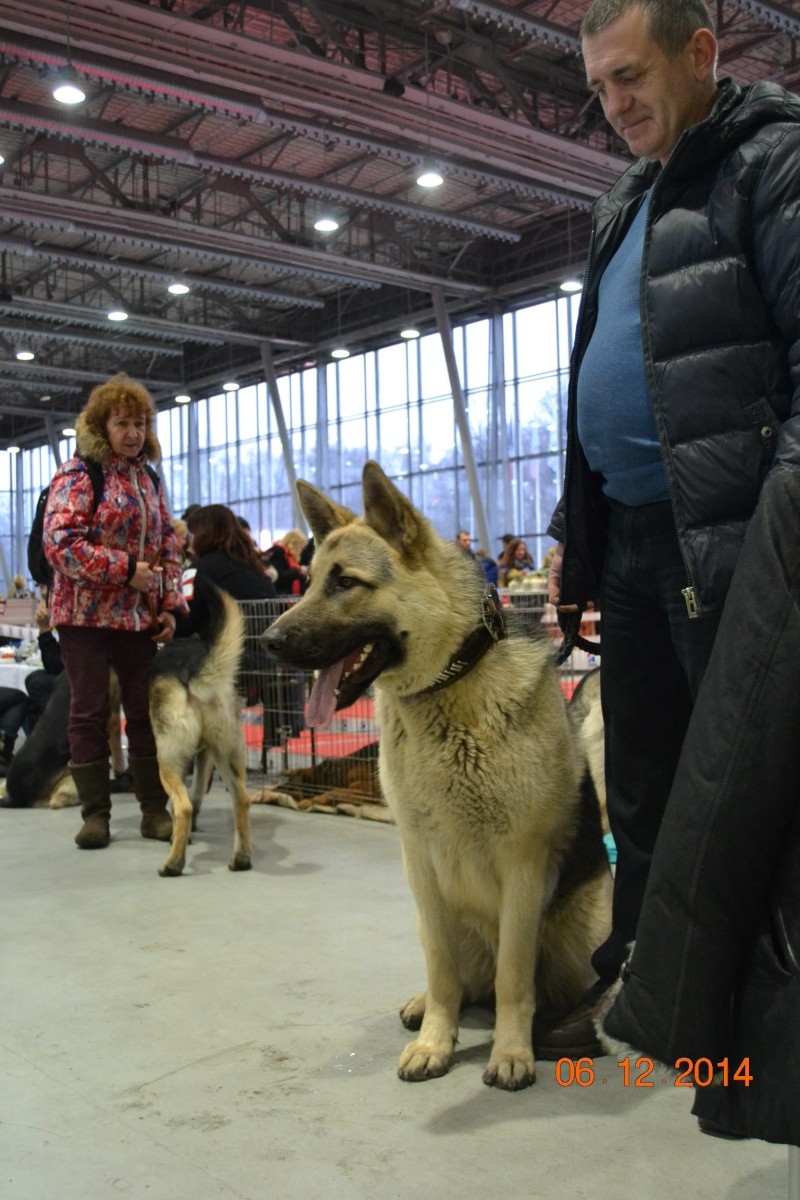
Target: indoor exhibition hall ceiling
{"x":214,"y":135}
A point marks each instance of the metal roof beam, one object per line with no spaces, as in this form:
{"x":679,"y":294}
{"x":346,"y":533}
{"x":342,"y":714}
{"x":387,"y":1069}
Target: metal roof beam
{"x":93,"y":262}
{"x":147,"y":229}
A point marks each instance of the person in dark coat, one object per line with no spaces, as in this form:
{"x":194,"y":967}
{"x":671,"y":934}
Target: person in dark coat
{"x":715,"y":972}
{"x":684,"y":393}
{"x":223,"y":554}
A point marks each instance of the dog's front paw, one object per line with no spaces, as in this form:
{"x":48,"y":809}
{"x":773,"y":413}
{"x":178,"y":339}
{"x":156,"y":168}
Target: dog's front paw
{"x":171,"y":870}
{"x":512,"y":1072}
{"x":420,"y":1060}
{"x":413,"y":1011}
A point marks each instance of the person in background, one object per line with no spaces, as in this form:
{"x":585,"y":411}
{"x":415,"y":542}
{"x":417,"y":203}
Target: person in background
{"x":19,"y":589}
{"x":39,"y":684}
{"x":683,"y":399}
{"x":224,"y":555}
{"x":115,"y":595}
{"x":464,"y":541}
{"x":284,"y":557}
{"x":487,"y":565}
{"x":14,"y":706}
{"x":514,"y":561}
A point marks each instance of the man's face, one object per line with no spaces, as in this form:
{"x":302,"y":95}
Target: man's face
{"x":649,"y":99}
{"x":464,"y":541}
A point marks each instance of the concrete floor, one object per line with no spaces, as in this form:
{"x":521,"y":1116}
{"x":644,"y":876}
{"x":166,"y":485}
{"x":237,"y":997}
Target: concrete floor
{"x":236,"y":1035}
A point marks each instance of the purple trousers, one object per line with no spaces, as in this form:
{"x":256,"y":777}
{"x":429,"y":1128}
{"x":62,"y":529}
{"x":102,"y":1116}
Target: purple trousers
{"x":87,"y":655}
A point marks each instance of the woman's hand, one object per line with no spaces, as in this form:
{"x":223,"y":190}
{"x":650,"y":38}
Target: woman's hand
{"x":166,"y":627}
{"x":144,"y":575}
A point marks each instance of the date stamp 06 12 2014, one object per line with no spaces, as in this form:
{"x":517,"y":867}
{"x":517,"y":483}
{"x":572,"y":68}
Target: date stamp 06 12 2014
{"x":691,"y":1072}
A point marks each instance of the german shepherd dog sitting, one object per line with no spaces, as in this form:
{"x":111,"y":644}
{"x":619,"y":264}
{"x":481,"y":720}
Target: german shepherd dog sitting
{"x":478,"y":762}
{"x":194,"y":711}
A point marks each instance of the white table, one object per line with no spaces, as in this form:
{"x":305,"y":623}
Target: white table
{"x":25,"y":633}
{"x":14,"y":674}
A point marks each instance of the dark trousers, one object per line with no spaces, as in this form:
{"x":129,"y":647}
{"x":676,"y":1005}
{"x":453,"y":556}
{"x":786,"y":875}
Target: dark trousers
{"x":87,"y":655}
{"x":13,"y":710}
{"x":653,"y":660}
{"x":40,"y":685}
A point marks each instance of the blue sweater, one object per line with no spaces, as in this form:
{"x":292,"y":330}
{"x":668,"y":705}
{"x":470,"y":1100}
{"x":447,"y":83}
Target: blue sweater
{"x":616,"y":426}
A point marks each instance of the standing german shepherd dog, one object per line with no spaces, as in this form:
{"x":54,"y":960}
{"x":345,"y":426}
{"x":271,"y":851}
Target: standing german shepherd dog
{"x":194,"y":711}
{"x":478,"y":763}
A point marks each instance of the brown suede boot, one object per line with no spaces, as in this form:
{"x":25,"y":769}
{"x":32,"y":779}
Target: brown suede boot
{"x":156,"y":821}
{"x":94,"y":792}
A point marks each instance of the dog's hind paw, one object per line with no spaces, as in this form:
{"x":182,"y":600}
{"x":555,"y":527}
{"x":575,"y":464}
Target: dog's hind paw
{"x":240,"y":862}
{"x":420,"y":1061}
{"x":413,"y":1011}
{"x":512,"y":1072}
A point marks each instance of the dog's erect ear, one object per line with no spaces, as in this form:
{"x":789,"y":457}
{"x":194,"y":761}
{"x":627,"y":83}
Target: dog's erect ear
{"x":389,"y":513}
{"x":322,"y":514}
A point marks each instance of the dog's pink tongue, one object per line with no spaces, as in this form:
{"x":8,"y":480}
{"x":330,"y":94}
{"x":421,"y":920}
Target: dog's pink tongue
{"x":322,"y":701}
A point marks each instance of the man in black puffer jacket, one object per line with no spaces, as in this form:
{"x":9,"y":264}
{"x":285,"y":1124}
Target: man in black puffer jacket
{"x":684,"y":393}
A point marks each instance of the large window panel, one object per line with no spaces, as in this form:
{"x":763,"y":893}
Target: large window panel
{"x":439,"y":438}
{"x":434,"y":380}
{"x":536,"y":340}
{"x":396,"y":450}
{"x":393,"y":404}
{"x":476,"y":336}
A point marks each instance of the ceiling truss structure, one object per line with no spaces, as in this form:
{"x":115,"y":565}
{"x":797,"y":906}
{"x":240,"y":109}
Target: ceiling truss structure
{"x":216,"y":132}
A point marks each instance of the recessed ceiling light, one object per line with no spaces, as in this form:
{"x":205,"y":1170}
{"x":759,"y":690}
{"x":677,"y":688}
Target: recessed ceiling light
{"x":118,"y":314}
{"x":2,"y":159}
{"x":571,"y":285}
{"x":179,"y":289}
{"x":326,"y":225}
{"x":409,"y":333}
{"x":183,"y":398}
{"x":24,"y":355}
{"x":68,"y":432}
{"x":430,"y":176}
{"x":340,"y":352}
{"x":44,"y":399}
{"x":230,"y":386}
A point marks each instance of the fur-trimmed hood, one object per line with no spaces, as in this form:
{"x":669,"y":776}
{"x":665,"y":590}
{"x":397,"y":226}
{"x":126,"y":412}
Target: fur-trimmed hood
{"x":92,"y":443}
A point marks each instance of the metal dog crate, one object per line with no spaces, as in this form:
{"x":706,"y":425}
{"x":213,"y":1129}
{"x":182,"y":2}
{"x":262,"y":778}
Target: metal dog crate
{"x":280,"y":748}
{"x":343,"y":756}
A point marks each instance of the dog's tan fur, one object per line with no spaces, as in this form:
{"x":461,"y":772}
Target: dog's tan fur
{"x":482,"y":777}
{"x":200,"y":719}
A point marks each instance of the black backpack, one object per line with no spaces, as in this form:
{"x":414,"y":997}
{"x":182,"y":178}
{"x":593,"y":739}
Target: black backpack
{"x":38,"y":567}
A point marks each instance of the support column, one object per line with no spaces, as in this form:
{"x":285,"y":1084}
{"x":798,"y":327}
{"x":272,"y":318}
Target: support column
{"x":288,"y":458}
{"x":446,"y":334}
{"x":52,"y":438}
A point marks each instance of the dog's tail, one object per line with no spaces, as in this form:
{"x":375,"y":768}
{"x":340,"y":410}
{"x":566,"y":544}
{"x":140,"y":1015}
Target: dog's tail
{"x":224,"y":639}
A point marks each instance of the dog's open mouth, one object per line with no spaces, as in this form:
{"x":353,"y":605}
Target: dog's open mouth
{"x":339,"y":685}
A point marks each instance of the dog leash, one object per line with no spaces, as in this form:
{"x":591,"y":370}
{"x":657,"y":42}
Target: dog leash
{"x":570,"y":624}
{"x":152,"y":607}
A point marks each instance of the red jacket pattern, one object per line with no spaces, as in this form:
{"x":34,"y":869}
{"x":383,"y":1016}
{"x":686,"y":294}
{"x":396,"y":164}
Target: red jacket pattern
{"x":94,"y":554}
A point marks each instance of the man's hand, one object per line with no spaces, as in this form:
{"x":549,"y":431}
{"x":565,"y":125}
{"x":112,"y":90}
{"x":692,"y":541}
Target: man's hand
{"x":166,"y":627}
{"x":554,"y":581}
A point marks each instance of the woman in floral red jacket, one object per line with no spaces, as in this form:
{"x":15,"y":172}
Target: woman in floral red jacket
{"x":114,"y":596}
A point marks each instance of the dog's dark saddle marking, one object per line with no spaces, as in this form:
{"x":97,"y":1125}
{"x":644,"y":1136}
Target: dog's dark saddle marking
{"x":181,"y":660}
{"x":491,"y":630}
{"x":586,"y":855}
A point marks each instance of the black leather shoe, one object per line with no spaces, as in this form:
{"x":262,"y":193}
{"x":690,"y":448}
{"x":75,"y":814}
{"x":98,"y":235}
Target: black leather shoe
{"x":571,"y":1037}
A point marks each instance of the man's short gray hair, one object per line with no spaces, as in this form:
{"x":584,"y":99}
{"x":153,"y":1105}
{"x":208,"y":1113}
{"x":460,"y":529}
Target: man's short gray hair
{"x":670,"y":23}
